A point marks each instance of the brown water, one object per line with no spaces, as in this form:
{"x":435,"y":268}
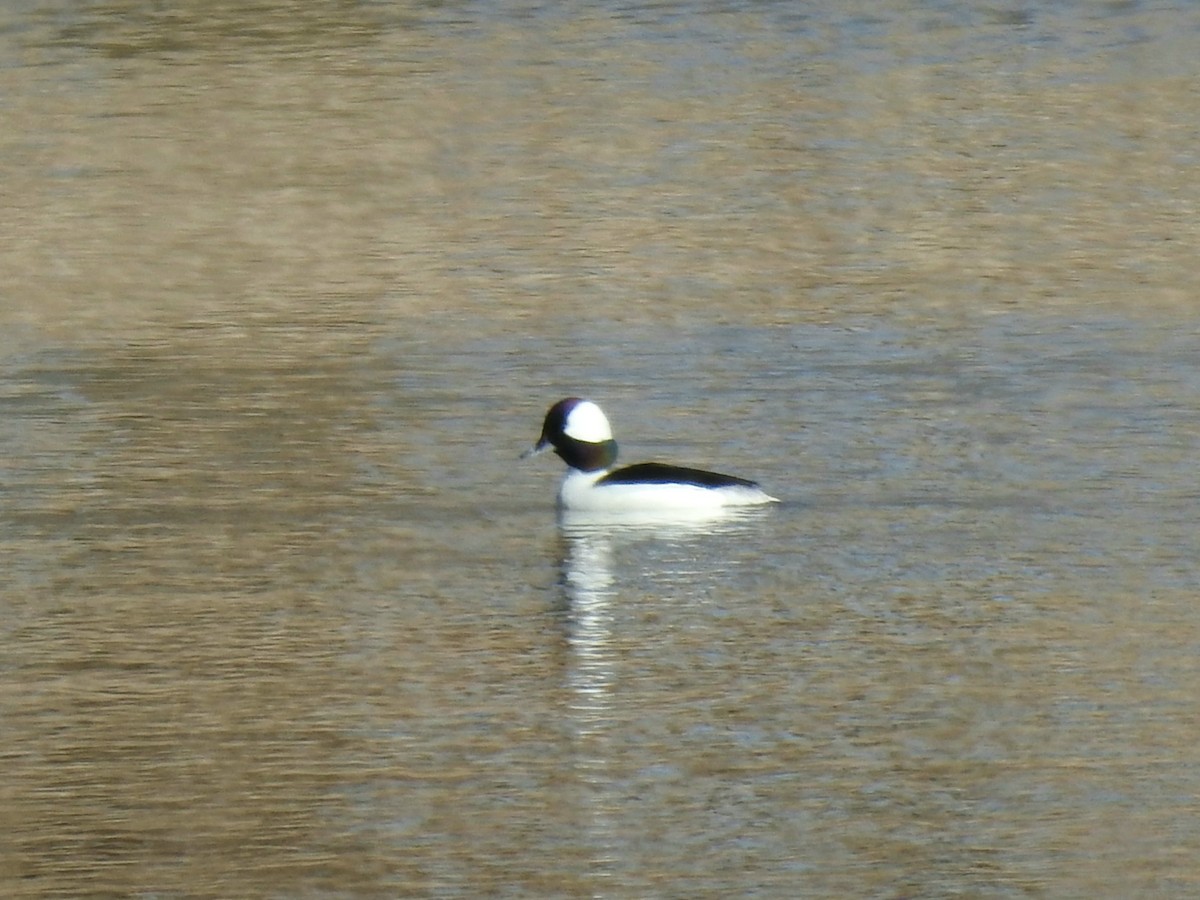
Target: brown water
{"x":285,"y":289}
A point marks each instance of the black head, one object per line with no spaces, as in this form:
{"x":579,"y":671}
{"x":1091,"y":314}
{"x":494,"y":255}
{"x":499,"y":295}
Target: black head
{"x":579,"y":432}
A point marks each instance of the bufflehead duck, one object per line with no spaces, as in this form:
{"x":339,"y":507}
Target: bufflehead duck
{"x":579,"y":432}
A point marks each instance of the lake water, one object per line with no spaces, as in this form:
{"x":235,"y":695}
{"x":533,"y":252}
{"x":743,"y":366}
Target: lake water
{"x":285,"y":290}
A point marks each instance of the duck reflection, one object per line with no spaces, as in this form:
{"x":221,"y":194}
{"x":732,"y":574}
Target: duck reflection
{"x":588,"y":543}
{"x":587,"y":582}
{"x":601,"y":556}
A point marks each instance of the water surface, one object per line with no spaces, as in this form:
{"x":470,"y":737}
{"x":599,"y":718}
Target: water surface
{"x":286,"y":292}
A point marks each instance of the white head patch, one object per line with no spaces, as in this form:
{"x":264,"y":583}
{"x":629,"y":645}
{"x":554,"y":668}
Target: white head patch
{"x":585,"y":422}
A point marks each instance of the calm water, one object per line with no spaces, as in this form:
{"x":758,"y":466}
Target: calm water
{"x":284,"y":291}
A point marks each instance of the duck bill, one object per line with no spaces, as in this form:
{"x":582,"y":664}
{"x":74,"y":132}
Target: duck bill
{"x":540,"y":447}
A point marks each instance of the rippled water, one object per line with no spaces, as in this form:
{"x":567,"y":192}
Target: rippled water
{"x":286,"y":290}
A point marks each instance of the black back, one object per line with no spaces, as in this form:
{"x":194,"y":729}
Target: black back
{"x":662,"y":473}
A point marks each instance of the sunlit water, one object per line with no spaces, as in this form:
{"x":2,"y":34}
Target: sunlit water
{"x":284,"y":293}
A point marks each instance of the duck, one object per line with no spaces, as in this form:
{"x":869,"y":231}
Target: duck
{"x":578,"y":431}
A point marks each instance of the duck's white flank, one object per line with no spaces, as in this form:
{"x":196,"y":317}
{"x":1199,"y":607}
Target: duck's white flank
{"x":580,"y":491}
